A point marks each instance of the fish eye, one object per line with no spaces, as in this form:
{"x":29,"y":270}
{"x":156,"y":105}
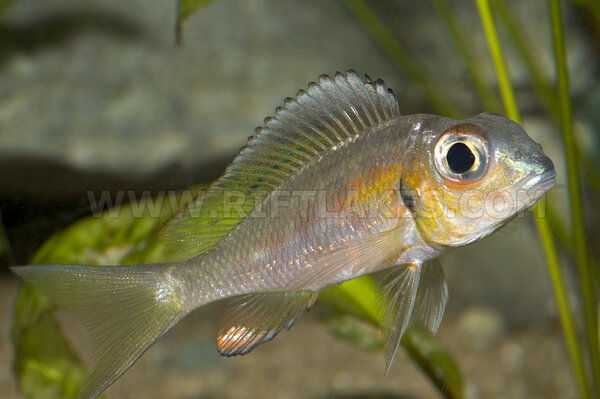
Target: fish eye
{"x":461,"y":155}
{"x":460,"y":158}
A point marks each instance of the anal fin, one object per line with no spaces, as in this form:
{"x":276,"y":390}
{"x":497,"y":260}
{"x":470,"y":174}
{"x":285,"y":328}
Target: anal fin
{"x":256,"y":318}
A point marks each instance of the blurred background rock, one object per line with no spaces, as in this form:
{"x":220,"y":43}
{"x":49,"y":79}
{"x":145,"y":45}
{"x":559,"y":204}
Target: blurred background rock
{"x":97,"y":96}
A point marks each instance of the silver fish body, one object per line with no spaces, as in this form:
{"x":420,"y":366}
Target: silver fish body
{"x":278,"y":246}
{"x":337,"y":185}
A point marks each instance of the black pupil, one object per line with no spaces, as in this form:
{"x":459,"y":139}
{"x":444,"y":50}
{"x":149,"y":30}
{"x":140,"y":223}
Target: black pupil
{"x":460,"y":158}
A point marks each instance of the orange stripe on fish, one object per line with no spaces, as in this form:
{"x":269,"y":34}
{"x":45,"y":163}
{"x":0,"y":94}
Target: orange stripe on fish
{"x":379,"y":186}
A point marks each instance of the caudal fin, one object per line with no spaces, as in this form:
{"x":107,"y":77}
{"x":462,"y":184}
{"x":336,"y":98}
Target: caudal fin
{"x":124,"y":308}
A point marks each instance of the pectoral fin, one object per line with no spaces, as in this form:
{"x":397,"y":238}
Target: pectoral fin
{"x":400,"y":284}
{"x":431,"y":296}
{"x":256,"y":318}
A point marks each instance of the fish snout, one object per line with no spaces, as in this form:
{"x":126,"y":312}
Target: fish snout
{"x":546,"y":164}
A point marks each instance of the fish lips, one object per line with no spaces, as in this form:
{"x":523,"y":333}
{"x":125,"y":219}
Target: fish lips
{"x":538,"y":185}
{"x":526,"y":194}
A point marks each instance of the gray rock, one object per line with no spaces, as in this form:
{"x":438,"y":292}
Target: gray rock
{"x":101,"y":89}
{"x":114,"y":94}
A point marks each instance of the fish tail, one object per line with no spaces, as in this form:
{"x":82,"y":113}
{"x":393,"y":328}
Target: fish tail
{"x":124,"y":308}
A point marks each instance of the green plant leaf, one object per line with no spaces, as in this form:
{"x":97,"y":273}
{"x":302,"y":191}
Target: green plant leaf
{"x":360,"y":297}
{"x":434,"y":360}
{"x":4,"y":246}
{"x":353,"y":329}
{"x":45,"y":363}
{"x":185,"y":9}
{"x":4,"y":3}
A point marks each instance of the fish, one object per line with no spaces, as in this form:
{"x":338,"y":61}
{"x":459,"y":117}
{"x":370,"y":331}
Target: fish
{"x":337,"y":185}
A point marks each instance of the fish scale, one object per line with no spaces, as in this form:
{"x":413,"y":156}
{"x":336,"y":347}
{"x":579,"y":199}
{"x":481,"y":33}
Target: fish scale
{"x":388,"y":200}
{"x":266,"y":233}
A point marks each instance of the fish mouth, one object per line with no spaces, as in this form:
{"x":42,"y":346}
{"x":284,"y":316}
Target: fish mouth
{"x":537,"y":186}
{"x":527,"y":194}
{"x":544,"y":181}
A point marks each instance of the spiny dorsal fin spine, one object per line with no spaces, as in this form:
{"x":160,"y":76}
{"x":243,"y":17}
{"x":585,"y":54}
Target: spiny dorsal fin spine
{"x":382,"y":90}
{"x":284,"y":140}
{"x":310,"y":101}
{"x":268,"y":163}
{"x":303,"y":124}
{"x":371,"y":107}
{"x":328,"y":83}
{"x":359,"y":123}
{"x":307,"y":121}
{"x":304,"y":100}
{"x":320,"y":119}
{"x":348,"y":90}
{"x":317,"y":92}
{"x":290,"y":121}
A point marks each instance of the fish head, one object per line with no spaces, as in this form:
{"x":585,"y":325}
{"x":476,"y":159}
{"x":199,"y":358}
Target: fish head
{"x":467,"y":179}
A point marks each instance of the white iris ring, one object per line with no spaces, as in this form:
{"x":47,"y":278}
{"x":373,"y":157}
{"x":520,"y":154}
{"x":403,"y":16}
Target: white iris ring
{"x":479,"y":148}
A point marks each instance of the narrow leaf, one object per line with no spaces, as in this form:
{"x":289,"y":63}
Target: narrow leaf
{"x":185,"y":9}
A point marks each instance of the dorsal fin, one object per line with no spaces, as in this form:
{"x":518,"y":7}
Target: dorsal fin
{"x":320,"y":119}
